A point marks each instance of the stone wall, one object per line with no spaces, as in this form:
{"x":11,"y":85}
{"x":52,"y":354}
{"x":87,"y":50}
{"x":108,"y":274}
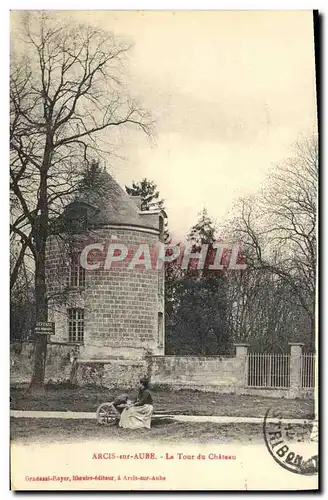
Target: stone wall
{"x":62,"y":367}
{"x":219,"y":374}
{"x":58,"y":367}
{"x":223,"y":374}
{"x":211,"y":374}
{"x":123,"y":374}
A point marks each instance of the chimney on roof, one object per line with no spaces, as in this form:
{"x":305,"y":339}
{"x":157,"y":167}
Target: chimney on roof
{"x":136,"y":200}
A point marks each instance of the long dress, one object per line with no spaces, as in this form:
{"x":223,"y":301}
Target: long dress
{"x":138,"y":416}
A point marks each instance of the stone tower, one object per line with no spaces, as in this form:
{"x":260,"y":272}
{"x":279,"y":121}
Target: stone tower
{"x":112,"y":316}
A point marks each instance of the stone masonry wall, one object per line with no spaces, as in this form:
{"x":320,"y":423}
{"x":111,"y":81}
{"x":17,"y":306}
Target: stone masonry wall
{"x":123,"y":374}
{"x":61,"y":368}
{"x":58,"y":367}
{"x":218,"y":374}
{"x":221,"y":374}
{"x":177,"y":372}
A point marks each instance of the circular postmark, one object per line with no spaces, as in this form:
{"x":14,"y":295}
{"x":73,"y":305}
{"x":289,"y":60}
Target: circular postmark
{"x":291,"y":443}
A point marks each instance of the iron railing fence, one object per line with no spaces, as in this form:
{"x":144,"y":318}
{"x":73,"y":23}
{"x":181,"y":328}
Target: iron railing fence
{"x":308,"y":371}
{"x":268,"y":370}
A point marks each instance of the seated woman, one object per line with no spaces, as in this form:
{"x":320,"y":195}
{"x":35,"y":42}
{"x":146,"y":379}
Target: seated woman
{"x":139,"y":414}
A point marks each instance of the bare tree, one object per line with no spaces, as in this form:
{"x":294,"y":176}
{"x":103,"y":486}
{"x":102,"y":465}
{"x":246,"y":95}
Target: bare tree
{"x":66,"y":101}
{"x":278,"y":230}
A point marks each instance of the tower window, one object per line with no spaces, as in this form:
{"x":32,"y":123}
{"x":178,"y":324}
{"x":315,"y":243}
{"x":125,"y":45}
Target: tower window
{"x":161,"y":282}
{"x":161,"y":228}
{"x":160,"y":329}
{"x":76,"y":273}
{"x":76,"y":218}
{"x":75,"y":325}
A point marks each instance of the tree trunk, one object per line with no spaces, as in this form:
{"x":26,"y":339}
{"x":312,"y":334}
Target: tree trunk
{"x":40,"y":349}
{"x":40,"y":231}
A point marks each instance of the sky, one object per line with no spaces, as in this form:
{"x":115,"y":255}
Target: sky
{"x":231,"y":91}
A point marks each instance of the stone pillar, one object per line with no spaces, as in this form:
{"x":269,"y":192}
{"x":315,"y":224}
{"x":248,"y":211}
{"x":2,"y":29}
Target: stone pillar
{"x":241,"y":367}
{"x":295,"y":369}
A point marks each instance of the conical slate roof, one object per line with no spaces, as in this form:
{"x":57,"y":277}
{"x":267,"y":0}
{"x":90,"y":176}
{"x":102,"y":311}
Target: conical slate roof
{"x":118,"y":208}
{"x":115,"y":207}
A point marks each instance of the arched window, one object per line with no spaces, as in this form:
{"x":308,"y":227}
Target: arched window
{"x":76,"y":275}
{"x":160,"y":331}
{"x":161,"y":228}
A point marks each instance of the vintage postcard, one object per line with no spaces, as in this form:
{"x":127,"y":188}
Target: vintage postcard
{"x":163,"y":250}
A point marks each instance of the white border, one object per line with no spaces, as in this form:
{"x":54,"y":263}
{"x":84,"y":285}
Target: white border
{"x":4,"y":197}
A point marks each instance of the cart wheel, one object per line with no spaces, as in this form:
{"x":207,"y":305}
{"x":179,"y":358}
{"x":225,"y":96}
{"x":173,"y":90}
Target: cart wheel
{"x":105,"y":414}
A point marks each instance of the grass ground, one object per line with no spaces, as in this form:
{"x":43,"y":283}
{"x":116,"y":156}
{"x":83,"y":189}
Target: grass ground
{"x":162,"y":431}
{"x":171,"y":402}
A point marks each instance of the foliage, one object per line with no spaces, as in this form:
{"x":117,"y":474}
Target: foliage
{"x":147,"y":190}
{"x":196,"y":299}
{"x":150,"y":199}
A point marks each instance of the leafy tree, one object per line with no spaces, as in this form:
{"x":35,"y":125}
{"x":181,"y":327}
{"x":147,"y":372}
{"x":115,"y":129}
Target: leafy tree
{"x":150,"y":199}
{"x":197,"y":320}
{"x":147,"y":190}
{"x":203,"y":232}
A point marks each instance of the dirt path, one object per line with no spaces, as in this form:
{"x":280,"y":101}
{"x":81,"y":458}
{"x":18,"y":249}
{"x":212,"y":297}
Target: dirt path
{"x":183,"y":402}
{"x":68,"y":415}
